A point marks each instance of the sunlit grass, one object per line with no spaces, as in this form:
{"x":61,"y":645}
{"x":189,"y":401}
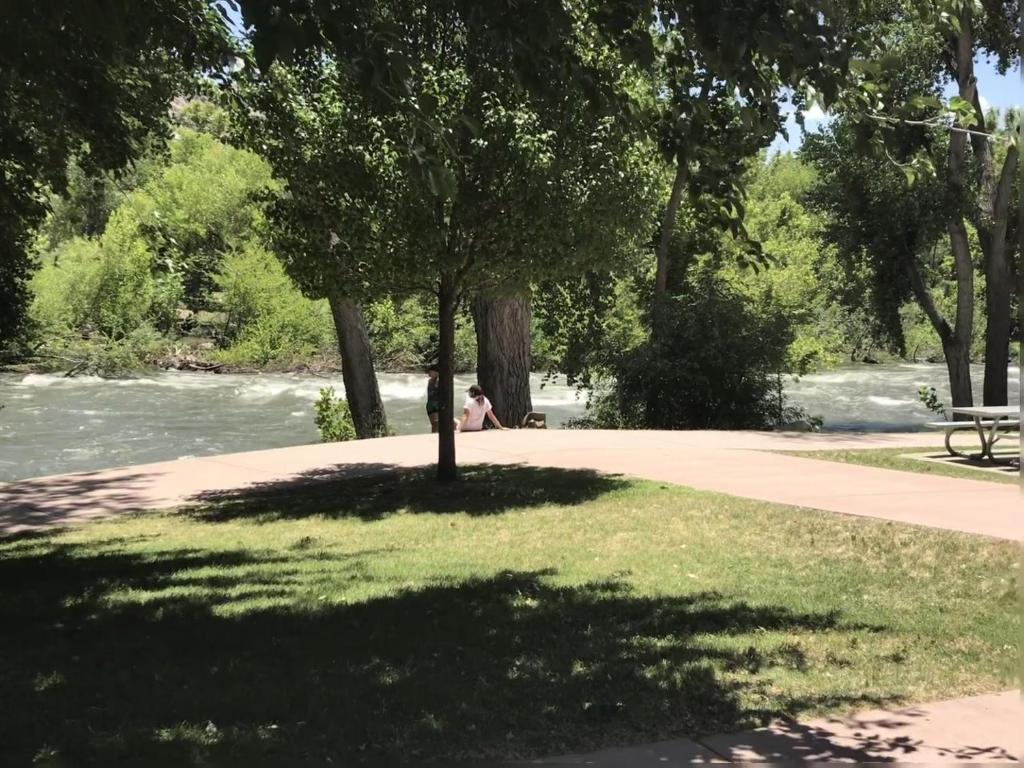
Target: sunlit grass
{"x":904,"y":459}
{"x":519,"y":612}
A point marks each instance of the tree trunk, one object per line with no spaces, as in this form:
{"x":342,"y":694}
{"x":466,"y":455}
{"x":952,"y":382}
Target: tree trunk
{"x":956,"y":342}
{"x":957,"y":345}
{"x":503,"y":355}
{"x":361,"y":389}
{"x":958,"y":363}
{"x":1020,"y":317}
{"x":998,"y":293}
{"x":668,"y":226}
{"x":991,"y":219}
{"x":446,"y":307}
{"x":998,"y":283}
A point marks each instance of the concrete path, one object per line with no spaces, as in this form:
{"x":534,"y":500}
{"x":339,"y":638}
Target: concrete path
{"x":736,"y":463}
{"x":978,"y":729}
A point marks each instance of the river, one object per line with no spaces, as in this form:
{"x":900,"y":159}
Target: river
{"x":51,"y":424}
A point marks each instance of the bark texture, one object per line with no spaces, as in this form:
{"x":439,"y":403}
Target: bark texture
{"x":361,"y":390}
{"x":992,"y":219}
{"x":956,"y":340}
{"x":503,"y":355}
{"x":447,"y":304}
{"x":668,"y":226}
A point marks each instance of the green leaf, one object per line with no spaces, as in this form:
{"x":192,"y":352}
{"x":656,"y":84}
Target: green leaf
{"x":925,"y":102}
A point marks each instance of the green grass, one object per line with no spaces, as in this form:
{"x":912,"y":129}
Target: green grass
{"x":898,"y":458}
{"x":520,"y":612}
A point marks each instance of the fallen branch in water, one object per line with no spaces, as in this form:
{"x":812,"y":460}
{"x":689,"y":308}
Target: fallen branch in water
{"x":77,"y":368}
{"x":202,"y":367}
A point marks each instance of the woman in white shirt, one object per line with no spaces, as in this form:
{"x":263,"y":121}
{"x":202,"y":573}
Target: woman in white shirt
{"x":475,"y":410}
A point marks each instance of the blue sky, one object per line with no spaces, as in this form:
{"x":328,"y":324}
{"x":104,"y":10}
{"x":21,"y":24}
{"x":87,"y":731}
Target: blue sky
{"x":1001,"y":91}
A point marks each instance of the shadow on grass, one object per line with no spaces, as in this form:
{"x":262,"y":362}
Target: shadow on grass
{"x":360,"y":491}
{"x":507,"y":666}
{"x":38,"y":503}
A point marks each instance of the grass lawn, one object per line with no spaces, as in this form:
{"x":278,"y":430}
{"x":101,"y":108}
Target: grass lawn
{"x":896,"y":458}
{"x":521,"y":612}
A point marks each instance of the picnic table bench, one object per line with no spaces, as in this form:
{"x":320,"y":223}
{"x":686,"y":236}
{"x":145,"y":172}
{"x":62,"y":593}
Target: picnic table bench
{"x":988,"y":421}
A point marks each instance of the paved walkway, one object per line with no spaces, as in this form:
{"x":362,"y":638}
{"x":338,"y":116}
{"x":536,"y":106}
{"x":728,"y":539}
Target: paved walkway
{"x":981,"y":728}
{"x":736,"y":463}
{"x":739,"y":463}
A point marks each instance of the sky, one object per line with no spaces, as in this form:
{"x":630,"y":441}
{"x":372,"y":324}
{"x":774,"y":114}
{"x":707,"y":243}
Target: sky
{"x":1000,"y":91}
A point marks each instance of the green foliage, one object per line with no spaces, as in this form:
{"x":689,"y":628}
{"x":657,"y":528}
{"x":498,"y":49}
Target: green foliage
{"x":202,"y":116}
{"x":105,"y":286}
{"x":206,"y":201}
{"x":930,"y":399}
{"x":402,"y":334}
{"x":799,"y":277}
{"x":333,"y":418}
{"x":878,"y":225}
{"x":713,"y":365}
{"x":268,"y":321}
{"x":103,"y":356}
{"x":80,"y":82}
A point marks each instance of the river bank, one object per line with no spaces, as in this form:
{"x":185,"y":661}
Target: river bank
{"x":53,"y":424}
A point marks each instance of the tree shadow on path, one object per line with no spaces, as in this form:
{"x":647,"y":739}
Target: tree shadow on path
{"x":334,"y":492}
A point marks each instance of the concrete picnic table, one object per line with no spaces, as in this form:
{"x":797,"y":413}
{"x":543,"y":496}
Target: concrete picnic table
{"x":987,"y":420}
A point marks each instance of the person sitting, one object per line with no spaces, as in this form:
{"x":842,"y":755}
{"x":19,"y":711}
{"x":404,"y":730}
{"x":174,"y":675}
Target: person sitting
{"x":475,"y":410}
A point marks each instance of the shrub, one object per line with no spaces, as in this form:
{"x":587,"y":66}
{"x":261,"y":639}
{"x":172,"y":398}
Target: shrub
{"x":103,"y":356}
{"x":268,"y":320}
{"x":105,"y":286}
{"x":333,"y":418}
{"x":930,"y":399}
{"x":713,"y":365}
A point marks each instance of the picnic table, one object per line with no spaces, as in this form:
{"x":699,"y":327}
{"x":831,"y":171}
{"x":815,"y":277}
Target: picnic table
{"x":989,"y":421}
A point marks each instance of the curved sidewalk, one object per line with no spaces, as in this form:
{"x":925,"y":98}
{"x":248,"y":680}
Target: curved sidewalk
{"x":977,"y":729}
{"x":737,"y":463}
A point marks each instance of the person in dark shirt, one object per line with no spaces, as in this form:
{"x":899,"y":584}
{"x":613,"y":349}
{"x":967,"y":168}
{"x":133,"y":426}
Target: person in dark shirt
{"x":433,"y":398}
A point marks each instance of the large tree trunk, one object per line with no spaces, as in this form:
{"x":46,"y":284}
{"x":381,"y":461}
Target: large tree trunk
{"x":503,"y":354}
{"x":1020,"y":319}
{"x":956,"y":341}
{"x":361,"y":389}
{"x":957,"y":344}
{"x":991,"y":219}
{"x":998,"y":292}
{"x":998,"y":281}
{"x":446,"y":308}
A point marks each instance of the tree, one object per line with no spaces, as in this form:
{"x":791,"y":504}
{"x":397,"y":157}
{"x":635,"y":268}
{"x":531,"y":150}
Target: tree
{"x":876,"y":219}
{"x":408,"y":58}
{"x":337,"y":213}
{"x":991,"y":213}
{"x":87,"y":81}
{"x":503,"y":361}
{"x":940,"y":39}
{"x":720,"y":89}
